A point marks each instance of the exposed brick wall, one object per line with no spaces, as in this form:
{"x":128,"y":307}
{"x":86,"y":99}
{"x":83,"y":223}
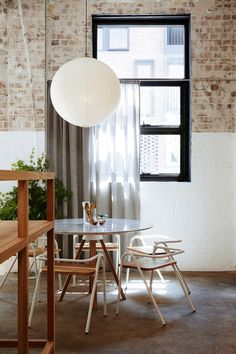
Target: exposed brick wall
{"x":3,"y":68}
{"x":213,"y":50}
{"x":22,"y":61}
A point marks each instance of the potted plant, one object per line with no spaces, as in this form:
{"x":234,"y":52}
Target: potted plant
{"x":37,"y":192}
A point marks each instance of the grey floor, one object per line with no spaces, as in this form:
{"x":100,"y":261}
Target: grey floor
{"x":137,"y":330}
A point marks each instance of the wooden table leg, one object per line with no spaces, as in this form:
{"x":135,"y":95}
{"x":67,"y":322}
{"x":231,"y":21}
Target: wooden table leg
{"x":68,"y":278}
{"x":92,"y":253}
{"x":112,"y":268}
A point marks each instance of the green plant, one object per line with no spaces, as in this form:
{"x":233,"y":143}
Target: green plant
{"x":37,"y":192}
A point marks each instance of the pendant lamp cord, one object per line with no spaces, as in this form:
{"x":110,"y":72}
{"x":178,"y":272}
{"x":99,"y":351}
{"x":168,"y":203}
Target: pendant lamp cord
{"x":86,"y":28}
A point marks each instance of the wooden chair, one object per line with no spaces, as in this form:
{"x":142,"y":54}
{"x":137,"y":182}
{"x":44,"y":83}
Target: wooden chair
{"x":161,"y":257}
{"x":145,"y":243}
{"x":35,"y":250}
{"x":81,"y":267}
{"x":113,"y":246}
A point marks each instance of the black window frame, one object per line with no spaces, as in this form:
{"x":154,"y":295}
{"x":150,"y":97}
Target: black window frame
{"x":184,"y":129}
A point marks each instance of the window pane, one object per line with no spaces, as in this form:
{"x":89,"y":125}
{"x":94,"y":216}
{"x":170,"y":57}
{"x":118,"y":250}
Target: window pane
{"x":160,"y":154}
{"x":160,"y":105}
{"x":159,"y":47}
{"x":175,"y":35}
{"x":100,"y":39}
{"x":118,"y":38}
{"x":144,"y":68}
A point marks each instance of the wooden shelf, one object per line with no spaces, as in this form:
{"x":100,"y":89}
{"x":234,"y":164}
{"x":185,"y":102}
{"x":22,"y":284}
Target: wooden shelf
{"x":15,"y":236}
{"x":9,"y":175}
{"x":10,"y":243}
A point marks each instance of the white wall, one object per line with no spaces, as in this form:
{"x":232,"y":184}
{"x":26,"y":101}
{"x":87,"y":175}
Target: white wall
{"x":202,"y":212}
{"x":17,"y":145}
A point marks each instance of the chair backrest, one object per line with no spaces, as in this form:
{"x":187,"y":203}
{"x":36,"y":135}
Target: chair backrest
{"x":157,"y":252}
{"x":148,"y":240}
{"x":92,"y":263}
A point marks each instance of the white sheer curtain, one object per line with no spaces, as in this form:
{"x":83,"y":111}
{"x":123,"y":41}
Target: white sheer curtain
{"x":112,"y":166}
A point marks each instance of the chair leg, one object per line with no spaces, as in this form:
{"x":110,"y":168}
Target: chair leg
{"x":151,"y":280}
{"x":127,"y":278}
{"x":117,"y":253}
{"x":184,"y":281}
{"x":151,"y":296}
{"x":179,"y":277}
{"x":160,"y":276}
{"x":8,"y":271}
{"x":31,"y":266}
{"x":73,"y":282}
{"x":91,"y":302}
{"x":59,"y":276}
{"x":69,"y":276}
{"x":36,"y":274}
{"x":112,"y":267}
{"x":104,"y":287}
{"x":35,"y":266}
{"x":117,"y":261}
{"x":59,"y":282}
{"x":150,"y":283}
{"x":75,"y":239}
{"x":127,"y":275}
{"x":40,"y":265}
{"x":119,"y":289}
{"x":34,"y":299}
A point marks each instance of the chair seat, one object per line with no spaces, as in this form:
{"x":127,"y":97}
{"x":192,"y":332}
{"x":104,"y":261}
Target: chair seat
{"x":73,"y":268}
{"x":144,"y":249}
{"x":89,"y":267}
{"x":110,"y":246}
{"x":39,"y":251}
{"x":160,"y":238}
{"x":36,"y":252}
{"x":149,"y":263}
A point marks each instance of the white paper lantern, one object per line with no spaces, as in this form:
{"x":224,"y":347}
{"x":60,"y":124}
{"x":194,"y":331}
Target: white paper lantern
{"x":85,"y":91}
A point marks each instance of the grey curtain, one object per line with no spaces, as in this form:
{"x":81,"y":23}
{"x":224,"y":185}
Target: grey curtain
{"x":64,"y":150}
{"x":111,"y":178}
{"x":99,"y":164}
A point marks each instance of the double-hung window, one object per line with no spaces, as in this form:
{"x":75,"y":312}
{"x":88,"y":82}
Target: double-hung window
{"x":153,"y":51}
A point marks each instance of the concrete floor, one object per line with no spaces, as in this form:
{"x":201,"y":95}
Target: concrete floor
{"x":137,"y":330}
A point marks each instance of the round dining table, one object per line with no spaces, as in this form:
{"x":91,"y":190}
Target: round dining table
{"x":94,"y":233}
{"x":111,"y":226}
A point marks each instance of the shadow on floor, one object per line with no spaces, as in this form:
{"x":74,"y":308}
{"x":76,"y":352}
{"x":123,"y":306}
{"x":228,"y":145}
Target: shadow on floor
{"x":138,"y":330}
